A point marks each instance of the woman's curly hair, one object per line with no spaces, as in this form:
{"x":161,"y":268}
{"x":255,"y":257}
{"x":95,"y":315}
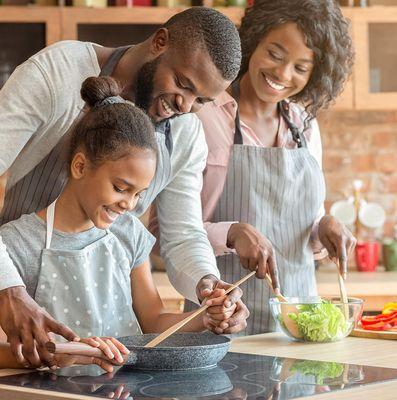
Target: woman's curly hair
{"x":327,"y":34}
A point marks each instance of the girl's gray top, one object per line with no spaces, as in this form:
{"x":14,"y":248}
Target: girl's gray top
{"x":25,"y":239}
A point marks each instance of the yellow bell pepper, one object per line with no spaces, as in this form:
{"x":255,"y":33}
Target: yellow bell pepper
{"x":389,"y":308}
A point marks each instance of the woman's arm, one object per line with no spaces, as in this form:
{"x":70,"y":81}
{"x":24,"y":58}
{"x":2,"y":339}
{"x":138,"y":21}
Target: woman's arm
{"x":7,"y":359}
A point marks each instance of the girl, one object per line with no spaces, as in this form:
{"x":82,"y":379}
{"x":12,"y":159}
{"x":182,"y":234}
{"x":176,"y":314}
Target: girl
{"x":95,"y":279}
{"x":263,"y":187}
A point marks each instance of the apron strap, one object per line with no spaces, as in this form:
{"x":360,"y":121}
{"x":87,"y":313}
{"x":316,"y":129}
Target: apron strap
{"x":298,"y":138}
{"x":282,"y":108}
{"x":238,"y":136}
{"x":113,"y":60}
{"x":108,"y":68}
{"x":50,"y":223}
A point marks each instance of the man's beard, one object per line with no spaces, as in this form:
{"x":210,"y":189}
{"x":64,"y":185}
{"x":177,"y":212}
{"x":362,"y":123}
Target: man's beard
{"x":144,"y":84}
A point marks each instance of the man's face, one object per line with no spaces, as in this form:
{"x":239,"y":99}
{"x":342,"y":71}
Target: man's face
{"x":177,"y":83}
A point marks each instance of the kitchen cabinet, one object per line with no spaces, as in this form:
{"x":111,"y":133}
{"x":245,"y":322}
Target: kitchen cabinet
{"x":373,"y":85}
{"x":375,"y":80}
{"x":346,"y":99}
{"x":112,"y":26}
{"x":23,"y":32}
{"x":137,"y":22}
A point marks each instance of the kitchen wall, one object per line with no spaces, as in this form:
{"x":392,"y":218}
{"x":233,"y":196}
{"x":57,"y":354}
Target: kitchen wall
{"x":361,"y":145}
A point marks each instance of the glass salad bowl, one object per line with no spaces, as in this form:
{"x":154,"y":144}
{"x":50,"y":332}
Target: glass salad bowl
{"x":316,"y":319}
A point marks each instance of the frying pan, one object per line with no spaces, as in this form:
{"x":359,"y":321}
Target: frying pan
{"x":181,"y":351}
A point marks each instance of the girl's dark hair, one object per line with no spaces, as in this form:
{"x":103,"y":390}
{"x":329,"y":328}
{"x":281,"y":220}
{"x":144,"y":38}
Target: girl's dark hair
{"x":107,"y":131}
{"x":327,"y":34}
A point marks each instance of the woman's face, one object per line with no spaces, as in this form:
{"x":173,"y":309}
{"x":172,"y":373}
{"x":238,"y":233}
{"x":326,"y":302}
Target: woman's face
{"x":114,"y":187}
{"x":281,"y":65}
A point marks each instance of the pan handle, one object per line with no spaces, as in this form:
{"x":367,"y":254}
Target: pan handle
{"x":81,"y":349}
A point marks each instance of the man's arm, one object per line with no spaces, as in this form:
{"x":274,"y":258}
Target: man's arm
{"x":184,"y":244}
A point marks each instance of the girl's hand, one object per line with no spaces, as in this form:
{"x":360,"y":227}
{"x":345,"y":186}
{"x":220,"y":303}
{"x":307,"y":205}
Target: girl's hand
{"x":338,"y":241}
{"x":67,"y":360}
{"x":112,"y":349}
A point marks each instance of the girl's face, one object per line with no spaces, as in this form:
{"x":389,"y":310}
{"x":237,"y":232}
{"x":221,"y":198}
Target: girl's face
{"x":281,"y":65}
{"x":114,"y":187}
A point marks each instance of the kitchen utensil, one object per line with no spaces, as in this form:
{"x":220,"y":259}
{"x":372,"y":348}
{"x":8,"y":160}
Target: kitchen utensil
{"x":388,"y":335}
{"x":343,"y":292}
{"x":325,"y":326}
{"x":285,"y":310}
{"x":270,"y":283}
{"x":158,"y":339}
{"x":367,"y":255}
{"x":181,"y":351}
{"x":371,"y":215}
{"x":344,"y":211}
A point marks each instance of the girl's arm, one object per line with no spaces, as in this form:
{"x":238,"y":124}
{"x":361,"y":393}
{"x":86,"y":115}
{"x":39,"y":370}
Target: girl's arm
{"x":7,"y":360}
{"x":149,"y":308}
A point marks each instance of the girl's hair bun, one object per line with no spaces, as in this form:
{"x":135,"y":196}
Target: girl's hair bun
{"x":97,"y":88}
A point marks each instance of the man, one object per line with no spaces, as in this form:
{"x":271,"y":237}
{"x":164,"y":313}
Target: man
{"x":185,"y":64}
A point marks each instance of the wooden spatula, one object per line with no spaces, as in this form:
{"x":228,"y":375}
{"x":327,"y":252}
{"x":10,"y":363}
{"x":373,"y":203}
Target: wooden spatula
{"x":180,"y":324}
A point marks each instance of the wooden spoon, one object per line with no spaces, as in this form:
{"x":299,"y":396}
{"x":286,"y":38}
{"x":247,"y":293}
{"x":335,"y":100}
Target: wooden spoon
{"x":180,"y":324}
{"x":291,"y":325}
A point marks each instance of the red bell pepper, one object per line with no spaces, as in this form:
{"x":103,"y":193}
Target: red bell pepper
{"x":370,"y":319}
{"x":380,"y":326}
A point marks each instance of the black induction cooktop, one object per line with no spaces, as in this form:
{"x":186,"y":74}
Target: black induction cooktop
{"x":237,"y":376}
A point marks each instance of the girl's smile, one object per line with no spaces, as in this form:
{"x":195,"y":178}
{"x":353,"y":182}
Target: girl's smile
{"x":109,"y":190}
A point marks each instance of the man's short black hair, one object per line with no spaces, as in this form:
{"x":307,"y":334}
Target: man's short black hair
{"x":208,"y":29}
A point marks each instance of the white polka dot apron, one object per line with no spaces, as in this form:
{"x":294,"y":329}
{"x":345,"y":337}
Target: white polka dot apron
{"x":89,"y":290}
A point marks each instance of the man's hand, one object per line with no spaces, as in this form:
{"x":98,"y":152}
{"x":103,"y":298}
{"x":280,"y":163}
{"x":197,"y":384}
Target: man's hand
{"x":338,"y":241}
{"x":255,"y":251}
{"x":27,"y":326}
{"x":208,"y":285}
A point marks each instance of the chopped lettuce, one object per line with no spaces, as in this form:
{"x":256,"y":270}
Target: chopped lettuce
{"x":320,"y":369}
{"x":322,"y":322}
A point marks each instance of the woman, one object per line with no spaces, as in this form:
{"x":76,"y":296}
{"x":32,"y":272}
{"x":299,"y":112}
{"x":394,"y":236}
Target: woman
{"x":263,"y":188}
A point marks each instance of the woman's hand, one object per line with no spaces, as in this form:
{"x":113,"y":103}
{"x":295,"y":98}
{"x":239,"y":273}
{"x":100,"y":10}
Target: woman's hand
{"x":224,"y":315}
{"x":255,"y":251}
{"x":338,"y":241}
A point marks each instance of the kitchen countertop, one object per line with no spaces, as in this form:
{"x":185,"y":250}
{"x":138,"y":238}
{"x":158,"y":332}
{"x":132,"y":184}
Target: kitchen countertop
{"x":381,"y":353}
{"x":373,"y":352}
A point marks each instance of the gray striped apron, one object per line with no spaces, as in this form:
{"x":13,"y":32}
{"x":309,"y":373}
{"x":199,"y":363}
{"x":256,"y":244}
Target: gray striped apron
{"x":44,"y":183}
{"x":279,"y":191}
